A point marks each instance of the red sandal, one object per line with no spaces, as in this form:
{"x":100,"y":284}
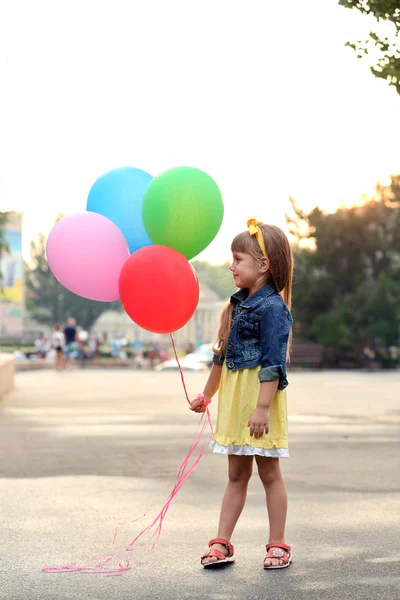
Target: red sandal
{"x":221,"y":558}
{"x":278,"y":550}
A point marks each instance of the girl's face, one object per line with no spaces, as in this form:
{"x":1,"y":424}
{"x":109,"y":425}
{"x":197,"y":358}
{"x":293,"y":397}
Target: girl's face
{"x":247,"y":271}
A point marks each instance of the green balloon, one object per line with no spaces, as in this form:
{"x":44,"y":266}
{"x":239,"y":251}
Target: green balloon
{"x":182,"y":208}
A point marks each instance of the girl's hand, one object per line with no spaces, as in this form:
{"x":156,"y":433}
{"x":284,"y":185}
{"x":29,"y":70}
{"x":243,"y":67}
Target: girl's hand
{"x":197,"y":405}
{"x":259,"y":422}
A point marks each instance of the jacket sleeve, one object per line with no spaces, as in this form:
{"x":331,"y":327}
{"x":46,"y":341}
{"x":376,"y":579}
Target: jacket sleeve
{"x":275,"y":325}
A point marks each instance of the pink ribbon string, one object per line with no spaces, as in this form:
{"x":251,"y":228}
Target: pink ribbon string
{"x":147,"y":539}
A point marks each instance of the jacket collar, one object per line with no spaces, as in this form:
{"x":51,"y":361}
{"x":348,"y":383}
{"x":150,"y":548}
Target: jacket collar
{"x":247,"y":302}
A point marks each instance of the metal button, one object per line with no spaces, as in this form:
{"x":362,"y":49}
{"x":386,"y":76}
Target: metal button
{"x":230,"y":344}
{"x":230,"y":365}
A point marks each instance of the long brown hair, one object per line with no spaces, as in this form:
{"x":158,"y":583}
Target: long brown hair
{"x":280,"y":272}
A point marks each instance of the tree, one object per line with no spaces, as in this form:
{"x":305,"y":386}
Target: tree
{"x":49,"y":302}
{"x":347,"y":272}
{"x":387,"y":48}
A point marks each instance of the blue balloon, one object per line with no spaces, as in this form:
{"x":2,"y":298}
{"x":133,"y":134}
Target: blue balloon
{"x":118,"y":196}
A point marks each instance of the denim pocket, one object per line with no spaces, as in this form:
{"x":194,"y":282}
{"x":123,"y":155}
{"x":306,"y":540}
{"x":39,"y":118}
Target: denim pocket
{"x":248,"y":331}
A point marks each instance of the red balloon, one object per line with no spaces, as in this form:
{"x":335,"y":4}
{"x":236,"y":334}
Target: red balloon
{"x":159,"y":289}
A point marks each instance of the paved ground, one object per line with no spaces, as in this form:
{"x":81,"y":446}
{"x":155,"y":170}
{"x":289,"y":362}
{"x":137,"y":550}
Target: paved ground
{"x":80,"y":451}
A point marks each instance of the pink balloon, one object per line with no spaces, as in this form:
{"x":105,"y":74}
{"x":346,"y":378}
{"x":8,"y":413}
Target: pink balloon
{"x":86,"y":253}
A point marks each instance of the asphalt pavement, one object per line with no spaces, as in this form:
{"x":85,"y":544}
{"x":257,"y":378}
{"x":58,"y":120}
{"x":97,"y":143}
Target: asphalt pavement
{"x":83,"y":450}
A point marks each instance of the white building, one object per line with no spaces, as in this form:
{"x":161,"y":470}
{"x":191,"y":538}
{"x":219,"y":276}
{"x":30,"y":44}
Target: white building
{"x":202,"y":327}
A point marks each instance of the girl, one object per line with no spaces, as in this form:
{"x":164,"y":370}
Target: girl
{"x":249,"y":369}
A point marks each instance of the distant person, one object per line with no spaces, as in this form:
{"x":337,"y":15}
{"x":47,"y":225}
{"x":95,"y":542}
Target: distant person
{"x":116,"y":346}
{"x":19,"y":354}
{"x":82,"y":346}
{"x":145,"y":352}
{"x":70,"y":347}
{"x":94,"y":350}
{"x":137,"y":345}
{"x":57,"y":342}
{"x":152,"y":354}
{"x":249,"y":371}
{"x":136,"y":353}
{"x":40,"y":346}
{"x":369,"y":357}
{"x":163,"y":354}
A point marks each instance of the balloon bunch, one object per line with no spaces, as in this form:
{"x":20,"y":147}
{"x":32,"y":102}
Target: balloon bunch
{"x":135,"y":240}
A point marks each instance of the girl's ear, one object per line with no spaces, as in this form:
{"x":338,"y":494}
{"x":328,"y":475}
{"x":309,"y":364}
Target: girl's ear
{"x":264,"y":265}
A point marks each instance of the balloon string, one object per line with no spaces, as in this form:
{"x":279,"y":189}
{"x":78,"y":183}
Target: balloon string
{"x":153,"y":531}
{"x":180,"y":368}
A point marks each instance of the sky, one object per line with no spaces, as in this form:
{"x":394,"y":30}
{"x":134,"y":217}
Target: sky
{"x":261,"y":95}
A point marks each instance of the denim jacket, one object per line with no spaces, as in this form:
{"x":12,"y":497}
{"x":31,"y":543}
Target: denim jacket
{"x":259,"y":334}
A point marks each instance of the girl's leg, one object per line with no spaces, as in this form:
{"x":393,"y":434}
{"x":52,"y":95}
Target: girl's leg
{"x":275,"y":490}
{"x":239,"y":472}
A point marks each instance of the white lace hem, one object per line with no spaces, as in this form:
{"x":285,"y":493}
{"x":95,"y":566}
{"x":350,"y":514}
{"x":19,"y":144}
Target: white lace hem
{"x":247,"y":450}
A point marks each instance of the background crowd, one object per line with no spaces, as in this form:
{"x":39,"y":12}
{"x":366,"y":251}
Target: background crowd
{"x":70,"y":344}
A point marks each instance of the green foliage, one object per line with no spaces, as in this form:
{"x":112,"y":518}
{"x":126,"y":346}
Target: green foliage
{"x":3,"y":244}
{"x":3,"y":222}
{"x":347,"y":273}
{"x":380,"y":9}
{"x":217,"y":277}
{"x":388,"y":63}
{"x":49,"y":302}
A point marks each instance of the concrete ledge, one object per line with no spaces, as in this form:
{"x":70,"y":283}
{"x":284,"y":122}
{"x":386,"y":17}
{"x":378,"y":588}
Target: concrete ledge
{"x":41,"y":364}
{"x":33,"y":365}
{"x":7,"y":370}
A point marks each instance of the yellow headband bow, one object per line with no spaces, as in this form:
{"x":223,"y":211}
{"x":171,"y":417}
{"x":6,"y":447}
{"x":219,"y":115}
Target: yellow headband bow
{"x":252,"y":224}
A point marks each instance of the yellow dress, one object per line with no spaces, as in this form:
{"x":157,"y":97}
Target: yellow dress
{"x":237,"y":398}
